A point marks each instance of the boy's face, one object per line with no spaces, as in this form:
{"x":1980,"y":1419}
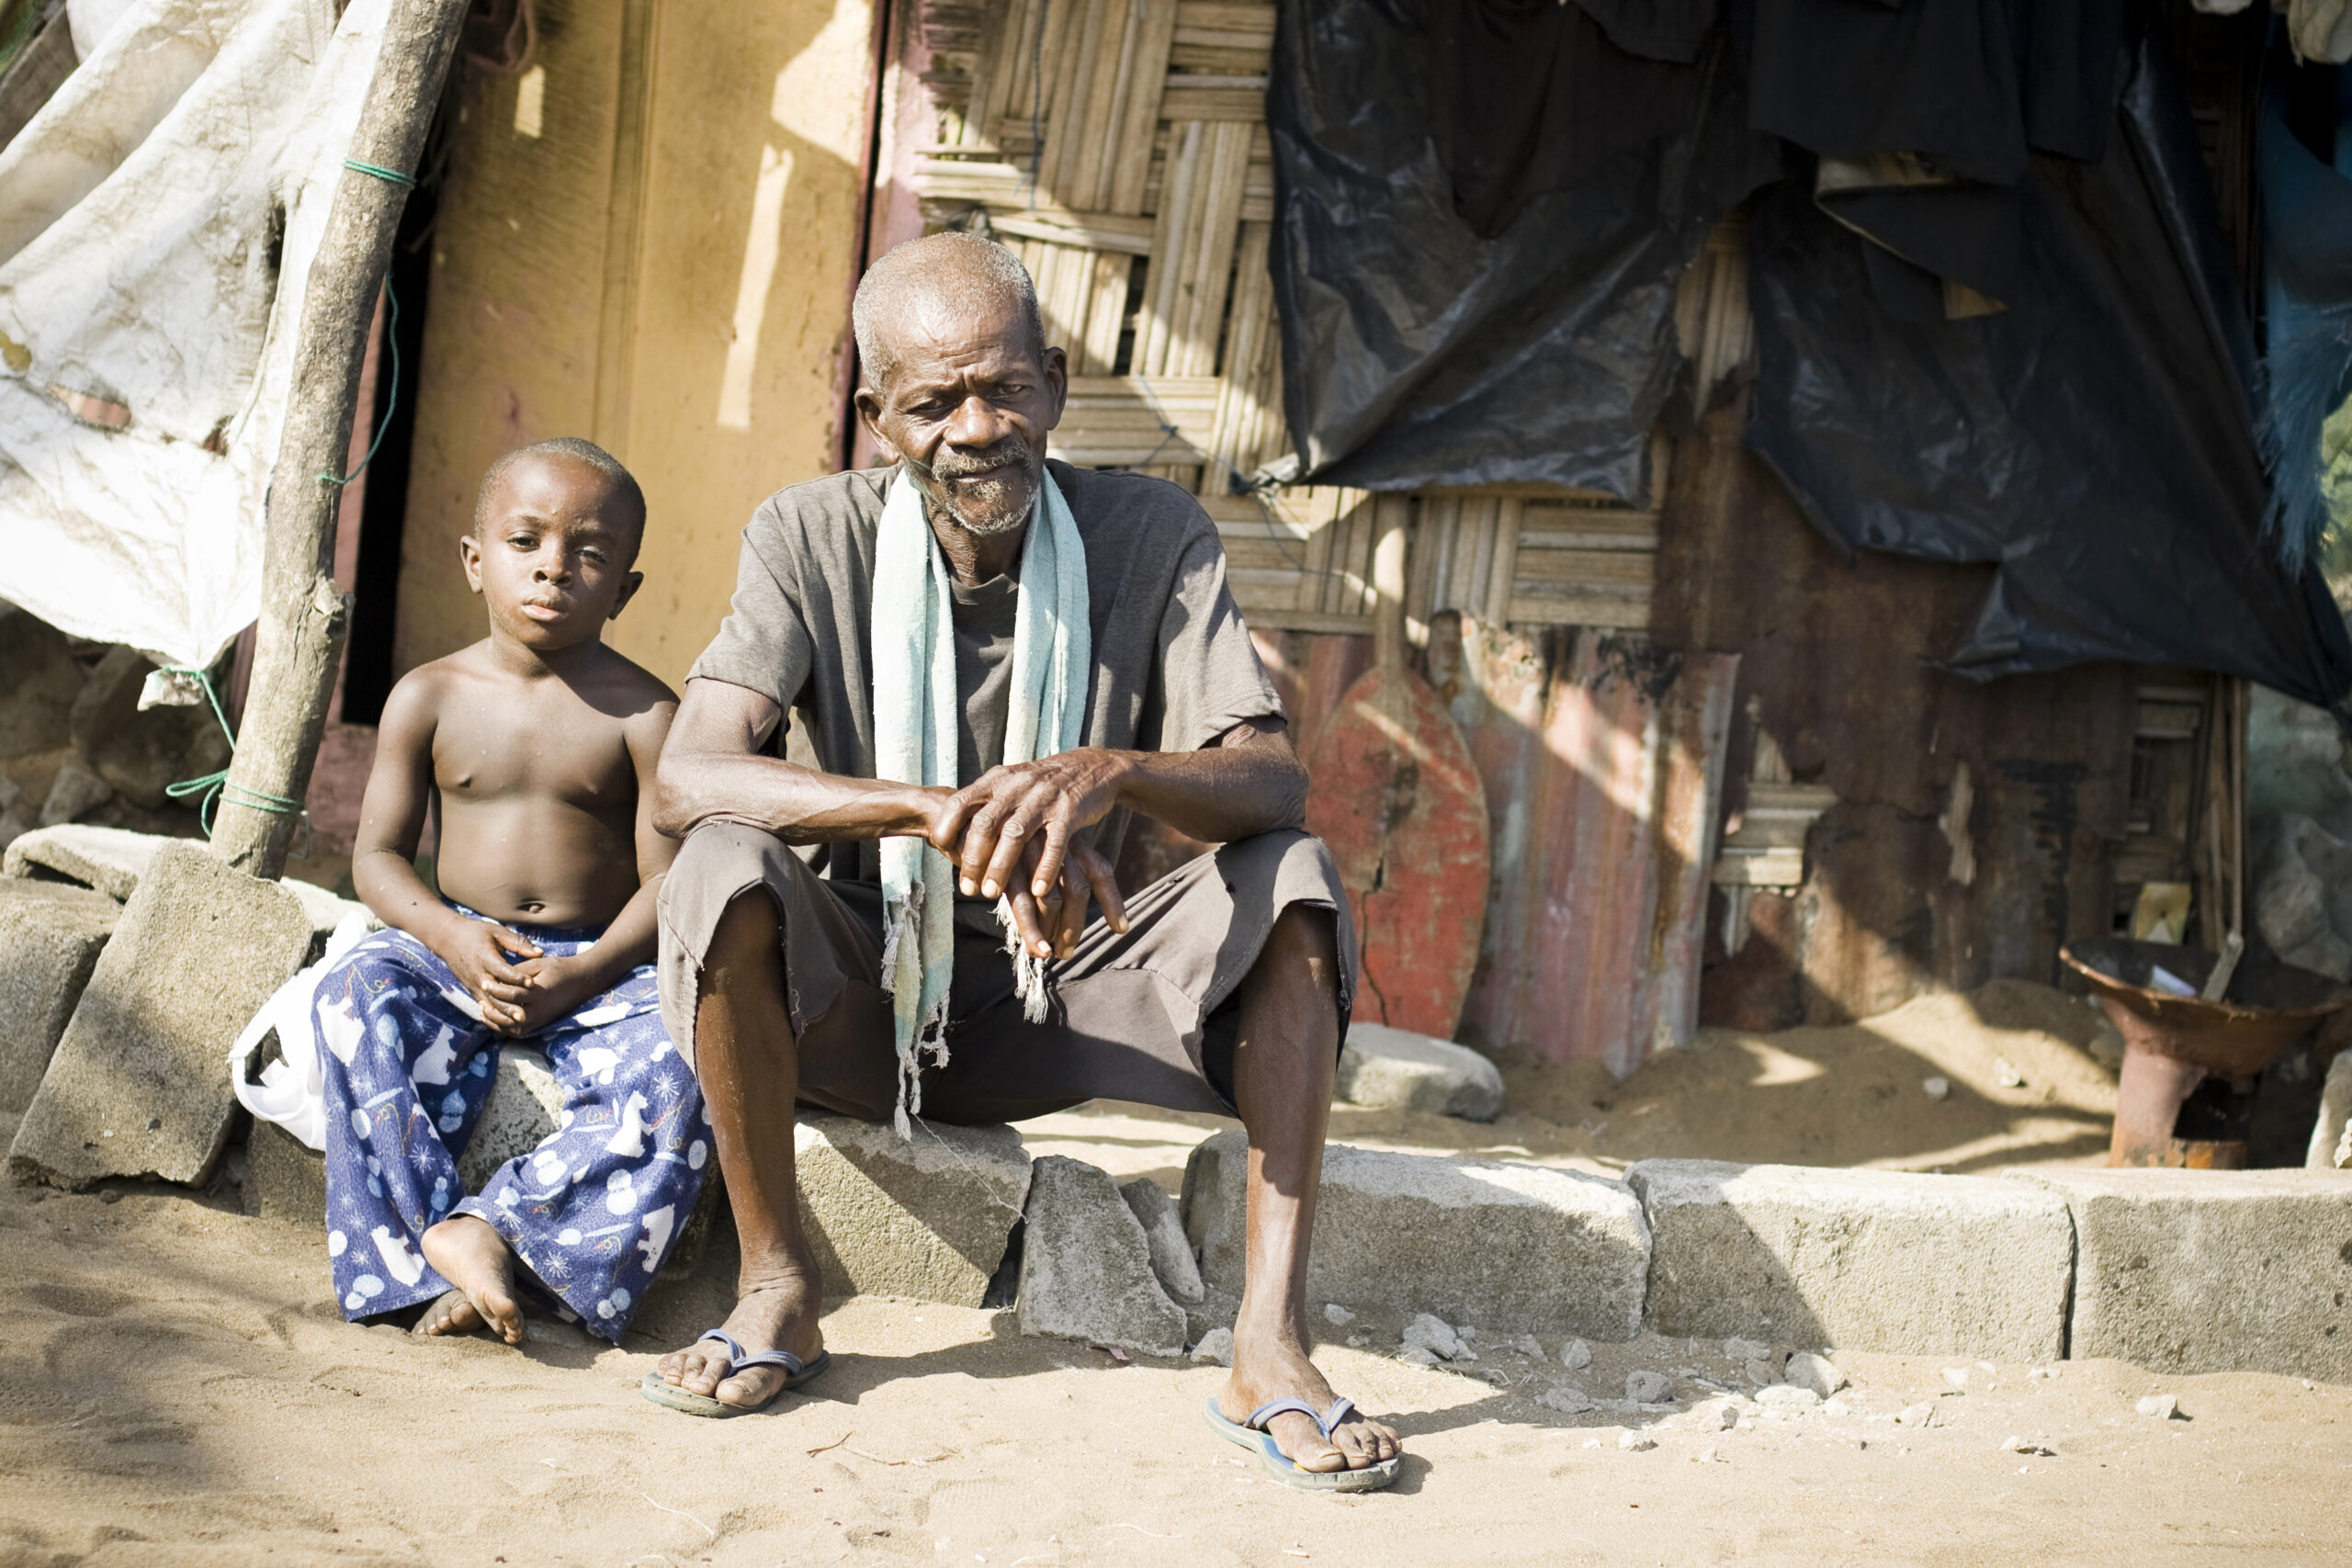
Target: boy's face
{"x":552,"y":553}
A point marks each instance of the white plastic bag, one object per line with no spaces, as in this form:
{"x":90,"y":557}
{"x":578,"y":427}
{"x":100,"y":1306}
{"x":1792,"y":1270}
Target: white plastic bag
{"x":292,"y":1092}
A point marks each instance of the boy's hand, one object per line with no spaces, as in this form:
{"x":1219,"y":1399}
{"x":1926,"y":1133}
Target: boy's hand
{"x":477,"y":952}
{"x":553,"y":987}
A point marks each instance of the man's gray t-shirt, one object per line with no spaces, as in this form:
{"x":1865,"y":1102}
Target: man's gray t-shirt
{"x":1174,"y":664}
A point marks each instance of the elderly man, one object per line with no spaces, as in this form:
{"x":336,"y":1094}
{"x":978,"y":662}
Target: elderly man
{"x":996,"y":660}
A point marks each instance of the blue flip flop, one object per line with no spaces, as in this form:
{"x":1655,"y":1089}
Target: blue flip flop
{"x":661,"y":1391}
{"x":1252,"y":1434}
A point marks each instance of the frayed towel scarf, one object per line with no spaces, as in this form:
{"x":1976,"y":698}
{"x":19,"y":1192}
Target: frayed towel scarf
{"x":915,"y":705}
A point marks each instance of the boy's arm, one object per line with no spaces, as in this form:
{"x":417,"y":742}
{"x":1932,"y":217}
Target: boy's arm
{"x":559,"y":985}
{"x":383,"y":869}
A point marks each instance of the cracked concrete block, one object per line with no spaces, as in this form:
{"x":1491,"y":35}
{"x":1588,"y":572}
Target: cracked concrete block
{"x":111,"y":860}
{"x":2211,"y":1270}
{"x":927,"y":1219}
{"x":51,"y":936}
{"x":1509,"y":1247}
{"x":138,"y":1086}
{"x":1396,"y":1070}
{"x":1862,"y":1259}
{"x":1163,"y":1227}
{"x":1086,"y":1269}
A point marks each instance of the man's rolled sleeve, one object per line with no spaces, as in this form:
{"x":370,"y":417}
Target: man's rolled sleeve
{"x":1210,"y":675}
{"x":764,"y":644}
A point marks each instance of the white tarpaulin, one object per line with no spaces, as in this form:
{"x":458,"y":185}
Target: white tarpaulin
{"x":157,"y":222}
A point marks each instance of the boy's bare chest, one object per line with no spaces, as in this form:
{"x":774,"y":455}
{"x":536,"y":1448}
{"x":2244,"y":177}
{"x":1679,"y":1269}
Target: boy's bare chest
{"x":563,"y":751}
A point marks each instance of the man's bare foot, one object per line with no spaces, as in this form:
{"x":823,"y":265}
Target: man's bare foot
{"x":1270,"y":1365}
{"x":778,"y":1313}
{"x":473,"y":1256}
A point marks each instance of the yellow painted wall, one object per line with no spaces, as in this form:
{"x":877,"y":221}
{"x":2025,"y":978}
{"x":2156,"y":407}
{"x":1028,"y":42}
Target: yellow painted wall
{"x":663,"y":267}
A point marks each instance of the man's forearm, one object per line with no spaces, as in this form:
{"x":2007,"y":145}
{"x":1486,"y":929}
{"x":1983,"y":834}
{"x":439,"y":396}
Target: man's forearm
{"x":1220,"y":794}
{"x":798,"y":804}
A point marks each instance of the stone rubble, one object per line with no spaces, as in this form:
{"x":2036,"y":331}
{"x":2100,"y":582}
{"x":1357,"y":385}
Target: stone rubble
{"x":1575,"y":1355}
{"x":1567,"y":1399}
{"x":1636,"y":1442}
{"x":1337,"y":1315}
{"x":1787,"y":1398}
{"x":1646,"y":1387}
{"x":1216,"y":1347}
{"x":1163,"y":1230}
{"x":2162,"y":1406}
{"x":1439,"y":1338}
{"x":1817,"y":1373}
{"x":1086,"y":1264}
{"x":1396,"y":1070}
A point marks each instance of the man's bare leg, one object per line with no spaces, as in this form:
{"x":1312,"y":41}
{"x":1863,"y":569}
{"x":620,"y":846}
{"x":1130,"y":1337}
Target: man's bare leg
{"x":1282,"y":1068}
{"x":748,"y":1065}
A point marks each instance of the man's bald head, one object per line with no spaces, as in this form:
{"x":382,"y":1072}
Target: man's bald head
{"x":953,"y":273}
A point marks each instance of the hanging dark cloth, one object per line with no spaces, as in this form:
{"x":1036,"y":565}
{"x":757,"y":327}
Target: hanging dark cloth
{"x":1531,"y":96}
{"x":1417,"y":352}
{"x":1925,"y":116}
{"x":2095,"y":440}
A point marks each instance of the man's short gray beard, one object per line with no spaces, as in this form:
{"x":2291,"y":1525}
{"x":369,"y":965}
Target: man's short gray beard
{"x":991,"y":523}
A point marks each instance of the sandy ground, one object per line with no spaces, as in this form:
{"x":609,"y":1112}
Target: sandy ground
{"x":177,"y":1388}
{"x":2029,"y":1075}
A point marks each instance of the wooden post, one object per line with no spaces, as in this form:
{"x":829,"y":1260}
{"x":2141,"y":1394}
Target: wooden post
{"x":299,"y":642}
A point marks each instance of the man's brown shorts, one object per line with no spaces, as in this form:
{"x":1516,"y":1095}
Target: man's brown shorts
{"x":1149,"y":1016}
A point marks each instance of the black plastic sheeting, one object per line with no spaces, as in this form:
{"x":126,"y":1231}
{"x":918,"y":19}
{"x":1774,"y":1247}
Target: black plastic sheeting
{"x":1416,"y":354}
{"x":2095,"y":440}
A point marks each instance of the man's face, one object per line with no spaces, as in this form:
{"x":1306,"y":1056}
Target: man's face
{"x":551,"y":554}
{"x":970,"y":398}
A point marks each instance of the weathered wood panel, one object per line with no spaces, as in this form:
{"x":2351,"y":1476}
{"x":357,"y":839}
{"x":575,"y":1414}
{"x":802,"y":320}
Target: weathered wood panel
{"x":1902,"y":895}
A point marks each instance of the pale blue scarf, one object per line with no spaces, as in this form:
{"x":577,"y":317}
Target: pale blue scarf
{"x":915,"y":708}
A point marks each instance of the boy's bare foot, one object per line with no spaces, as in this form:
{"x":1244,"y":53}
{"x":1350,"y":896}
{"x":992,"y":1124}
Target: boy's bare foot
{"x":1270,"y":1365}
{"x":473,"y":1256}
{"x":777,"y":1315}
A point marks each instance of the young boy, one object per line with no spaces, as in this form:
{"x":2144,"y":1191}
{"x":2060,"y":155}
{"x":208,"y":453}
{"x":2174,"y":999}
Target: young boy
{"x":534,"y":748}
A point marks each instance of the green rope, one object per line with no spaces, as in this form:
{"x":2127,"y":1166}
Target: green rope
{"x":406,"y":182}
{"x":214,"y":786}
{"x":20,"y":32}
{"x":392,"y":398}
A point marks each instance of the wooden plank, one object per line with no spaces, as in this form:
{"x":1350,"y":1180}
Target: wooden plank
{"x":1207,"y":271}
{"x":1192,"y":59}
{"x":1118,"y":421}
{"x":1106,"y":316}
{"x":1624,"y":615}
{"x":1156,"y":326}
{"x":1131,"y":168}
{"x":1254,"y":21}
{"x":1085,"y":178}
{"x":1245,"y":105}
{"x":1508,"y":519}
{"x":1614,"y":567}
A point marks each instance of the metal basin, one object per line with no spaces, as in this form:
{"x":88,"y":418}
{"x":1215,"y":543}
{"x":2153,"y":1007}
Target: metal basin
{"x":2172,"y":1042}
